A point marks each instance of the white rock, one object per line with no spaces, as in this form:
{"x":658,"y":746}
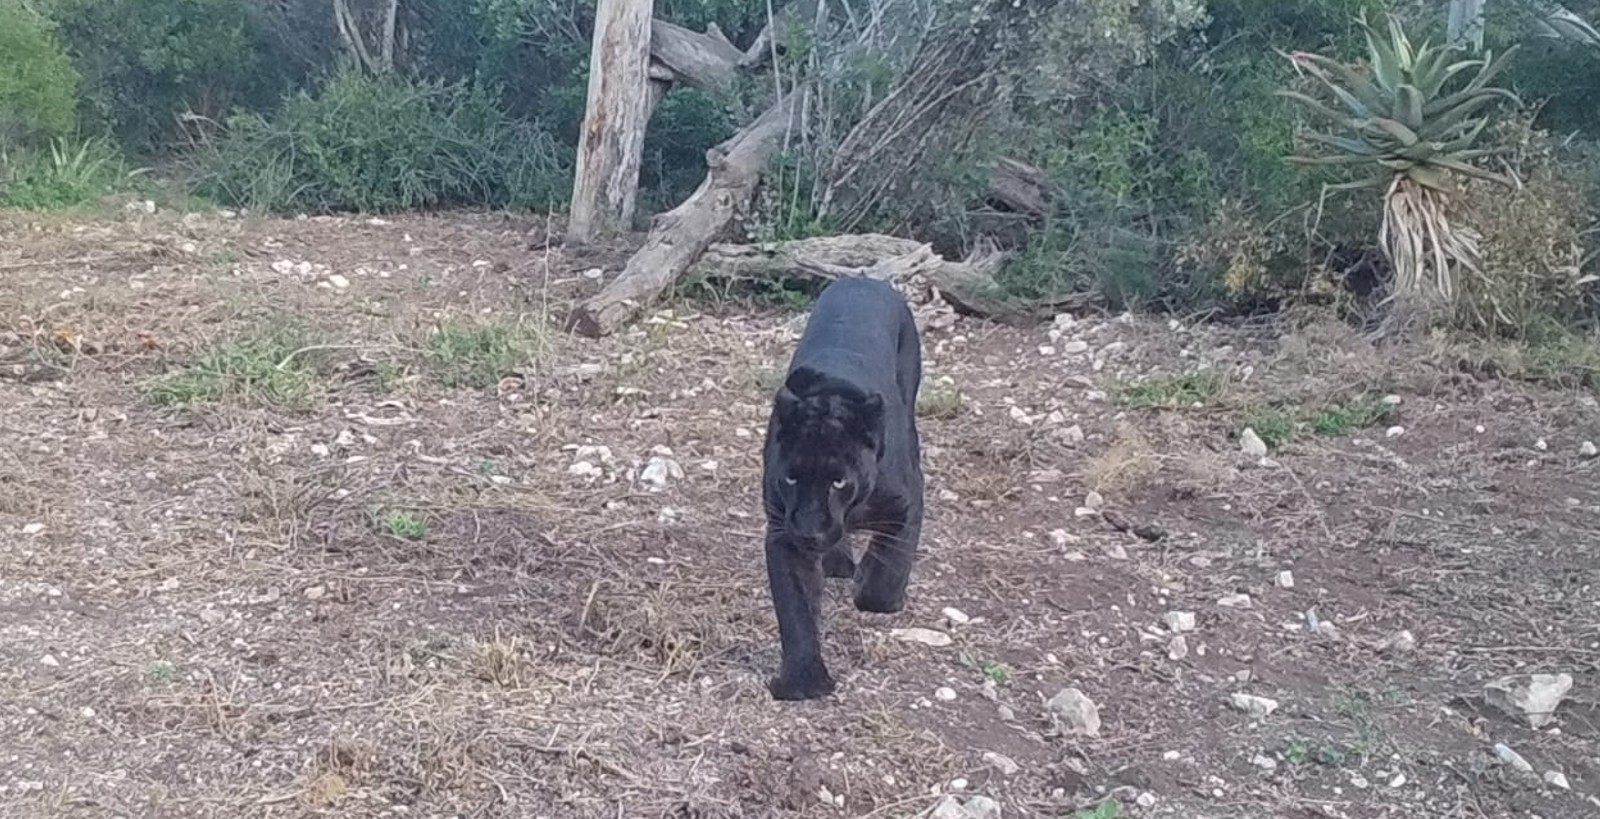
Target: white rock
{"x":1006,"y":713}
{"x":956,"y":616}
{"x":50,"y":660}
{"x":1541,"y":445}
{"x":1479,"y":429}
{"x":1398,"y":781}
{"x":1398,"y":642}
{"x":1391,"y":400}
{"x":1258,"y":707}
{"x":1085,"y":512}
{"x":944,"y":694}
{"x":1146,"y":800}
{"x":1587,"y":449}
{"x":1557,"y":779}
{"x":1359,"y":782}
{"x":1172,"y":756}
{"x":1002,"y":763}
{"x":33,"y":528}
{"x":338,"y":281}
{"x":1533,"y":696}
{"x":1511,"y":757}
{"x":925,"y":636}
{"x":1394,"y":432}
{"x":583,"y":469}
{"x":1251,"y":444}
{"x":1073,"y":434}
{"x":1235,"y":601}
{"x":1076,"y":711}
{"x":1285,"y":579}
{"x":949,"y":807}
{"x":982,"y":807}
{"x":1264,"y":762}
{"x":658,"y":471}
{"x":1180,"y":621}
{"x":1060,"y":537}
{"x":1177,"y":648}
{"x":1093,"y":500}
{"x":1075,"y":347}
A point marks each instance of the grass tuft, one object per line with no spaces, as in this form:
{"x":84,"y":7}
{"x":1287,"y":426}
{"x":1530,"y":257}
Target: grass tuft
{"x":271,"y":366}
{"x":1173,"y":392}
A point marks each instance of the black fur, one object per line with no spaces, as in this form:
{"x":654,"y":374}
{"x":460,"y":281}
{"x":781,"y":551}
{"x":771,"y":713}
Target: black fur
{"x":842,"y":455}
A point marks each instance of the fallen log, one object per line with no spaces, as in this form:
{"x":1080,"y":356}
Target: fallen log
{"x":1018,"y":187}
{"x":968,"y":285}
{"x":680,"y":235}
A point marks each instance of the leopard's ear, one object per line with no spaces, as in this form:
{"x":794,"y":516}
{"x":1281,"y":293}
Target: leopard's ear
{"x":785,"y":404}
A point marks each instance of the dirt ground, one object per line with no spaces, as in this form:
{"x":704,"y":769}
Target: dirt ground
{"x":323,"y":517}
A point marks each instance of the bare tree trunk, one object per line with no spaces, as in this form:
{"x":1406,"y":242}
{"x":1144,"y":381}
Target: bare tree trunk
{"x":680,"y":235}
{"x":611,"y":147}
{"x":390,"y":18}
{"x":350,"y":33}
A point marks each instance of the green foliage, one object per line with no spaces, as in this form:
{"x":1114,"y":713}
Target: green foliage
{"x":477,"y":355}
{"x":272,"y":366}
{"x":1279,"y":425}
{"x":144,"y":62}
{"x":38,"y":85}
{"x":68,"y":173}
{"x":400,"y":523}
{"x":1173,"y":392}
{"x":381,"y":144}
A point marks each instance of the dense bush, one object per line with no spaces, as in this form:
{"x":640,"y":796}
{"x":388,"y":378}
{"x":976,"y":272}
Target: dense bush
{"x":38,"y":86}
{"x":383,"y":143}
{"x":145,"y":62}
{"x":65,"y":173}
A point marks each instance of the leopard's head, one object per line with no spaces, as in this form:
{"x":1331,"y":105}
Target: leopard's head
{"x":826,"y":439}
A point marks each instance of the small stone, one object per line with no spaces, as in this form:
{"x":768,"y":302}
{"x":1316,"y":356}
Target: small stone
{"x":212,"y":617}
{"x":1180,"y":621}
{"x":1587,"y":449}
{"x":958,"y":784}
{"x":1258,"y":707}
{"x":925,"y":636}
{"x":1076,"y":711}
{"x":1073,"y":434}
{"x":1177,"y":648}
{"x":1083,"y":382}
{"x":1235,"y":601}
{"x":316,"y":592}
{"x":1093,"y":500}
{"x":1146,"y":800}
{"x":945,"y":694}
{"x":1541,"y":445}
{"x":1002,"y":763}
{"x":1172,"y":756}
{"x":320,"y":450}
{"x":982,"y":807}
{"x":1398,"y":643}
{"x":1533,"y":696}
{"x":1391,"y":400}
{"x":1557,"y":779}
{"x":956,"y":616}
{"x":338,"y":281}
{"x":1285,"y":579}
{"x":1511,"y":757}
{"x":1479,"y":429}
{"x":1398,"y":781}
{"x":1394,"y":432}
{"x":1075,"y":347}
{"x":658,"y":471}
{"x":1264,"y":762}
{"x":33,"y":528}
{"x":88,"y":712}
{"x":1006,"y":713}
{"x":50,"y":660}
{"x":1359,"y":782}
{"x":949,"y":807}
{"x":1251,"y":444}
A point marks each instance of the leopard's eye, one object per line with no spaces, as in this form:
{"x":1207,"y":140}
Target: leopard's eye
{"x":840,"y":484}
{"x":789,"y":481}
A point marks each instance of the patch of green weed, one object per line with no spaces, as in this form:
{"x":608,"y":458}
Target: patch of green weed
{"x":70,"y":173}
{"x":402,"y":524}
{"x":938,"y":400}
{"x":1341,"y":419}
{"x":1273,"y":426}
{"x":1173,"y":392}
{"x":271,"y":366}
{"x":477,"y":354}
{"x":1109,"y":809}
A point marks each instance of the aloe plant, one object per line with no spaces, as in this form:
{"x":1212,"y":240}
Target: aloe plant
{"x":1406,"y":114}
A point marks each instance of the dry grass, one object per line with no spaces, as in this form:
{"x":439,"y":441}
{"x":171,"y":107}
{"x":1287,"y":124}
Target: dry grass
{"x":396,"y":595}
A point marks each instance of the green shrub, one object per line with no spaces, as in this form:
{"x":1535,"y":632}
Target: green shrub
{"x":38,"y":85}
{"x":144,"y":62}
{"x":68,"y":173}
{"x":383,"y":143}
